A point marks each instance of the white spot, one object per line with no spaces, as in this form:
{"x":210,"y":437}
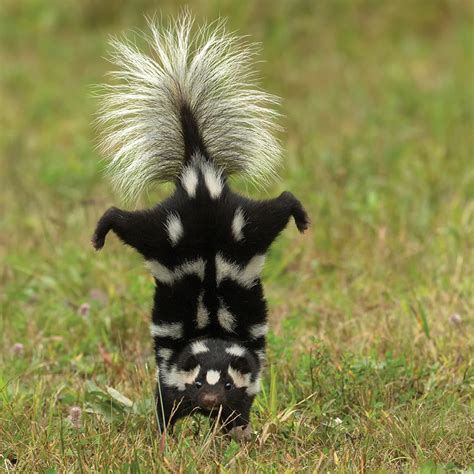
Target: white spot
{"x":165,"y":354}
{"x":212,"y":377}
{"x":174,"y":228}
{"x":226,"y":318}
{"x":212,"y":178}
{"x":172,"y":330}
{"x":168,"y":277}
{"x":240,"y":380}
{"x":258,"y":330}
{"x":246,"y":276}
{"x":198,"y":347}
{"x":189,"y":180}
{"x":202,"y":316}
{"x":238,"y":224}
{"x":180,"y":378}
{"x":235,"y":350}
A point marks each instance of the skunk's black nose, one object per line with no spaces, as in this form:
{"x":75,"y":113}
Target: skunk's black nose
{"x":210,"y":400}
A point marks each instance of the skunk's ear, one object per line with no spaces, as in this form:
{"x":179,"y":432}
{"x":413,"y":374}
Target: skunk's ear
{"x":241,"y":364}
{"x":189,"y":363}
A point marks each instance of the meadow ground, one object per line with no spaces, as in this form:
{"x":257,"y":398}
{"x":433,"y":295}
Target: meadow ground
{"x":371,"y":345}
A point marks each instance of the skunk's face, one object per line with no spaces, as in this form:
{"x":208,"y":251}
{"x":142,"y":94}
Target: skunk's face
{"x":219,"y":374}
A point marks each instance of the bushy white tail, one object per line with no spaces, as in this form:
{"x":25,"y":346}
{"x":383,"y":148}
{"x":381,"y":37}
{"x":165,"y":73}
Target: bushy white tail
{"x":211,"y":75}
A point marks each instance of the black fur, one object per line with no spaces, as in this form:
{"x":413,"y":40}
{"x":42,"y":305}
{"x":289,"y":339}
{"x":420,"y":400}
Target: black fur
{"x":206,"y":221}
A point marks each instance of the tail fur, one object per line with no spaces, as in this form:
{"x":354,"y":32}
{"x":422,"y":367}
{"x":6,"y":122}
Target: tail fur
{"x":191,"y":94}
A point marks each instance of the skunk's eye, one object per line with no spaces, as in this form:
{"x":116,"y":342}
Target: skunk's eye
{"x":228,"y":386}
{"x":198,"y":384}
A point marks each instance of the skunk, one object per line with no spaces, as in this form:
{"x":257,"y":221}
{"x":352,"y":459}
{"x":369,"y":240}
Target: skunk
{"x":189,"y":113}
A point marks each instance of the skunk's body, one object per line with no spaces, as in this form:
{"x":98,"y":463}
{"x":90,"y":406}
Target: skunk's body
{"x":205,"y":245}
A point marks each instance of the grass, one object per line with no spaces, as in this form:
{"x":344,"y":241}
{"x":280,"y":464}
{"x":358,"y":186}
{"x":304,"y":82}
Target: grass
{"x":371,"y":349}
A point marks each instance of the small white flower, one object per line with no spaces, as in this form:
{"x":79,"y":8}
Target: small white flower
{"x":455,"y":319}
{"x":74,"y":417}
{"x":84,"y":310}
{"x":99,"y":295}
{"x":18,"y":349}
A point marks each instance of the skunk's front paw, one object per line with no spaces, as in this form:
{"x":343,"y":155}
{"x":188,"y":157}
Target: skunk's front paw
{"x":241,"y":433}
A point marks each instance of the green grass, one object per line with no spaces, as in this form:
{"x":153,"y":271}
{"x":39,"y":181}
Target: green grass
{"x":368,"y":370}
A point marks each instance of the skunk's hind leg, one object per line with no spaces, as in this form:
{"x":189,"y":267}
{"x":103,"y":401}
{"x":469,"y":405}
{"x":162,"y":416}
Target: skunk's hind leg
{"x":291,"y":206}
{"x":142,"y":230}
{"x":264,"y":220}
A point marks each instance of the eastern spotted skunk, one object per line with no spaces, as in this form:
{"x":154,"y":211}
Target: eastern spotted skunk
{"x":188,"y":113}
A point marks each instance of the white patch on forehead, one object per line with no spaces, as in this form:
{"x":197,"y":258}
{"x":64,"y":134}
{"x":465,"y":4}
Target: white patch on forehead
{"x":226,"y":319}
{"x":245,"y":276}
{"x":212,"y":178}
{"x":212,"y":377}
{"x":180,"y":378}
{"x":165,"y":275}
{"x":189,"y":180}
{"x":258,"y":330}
{"x":165,"y":354}
{"x":172,"y":330}
{"x":240,"y":380}
{"x":202,"y":314}
{"x":235,"y":350}
{"x":199,"y":347}
{"x":238,"y":224}
{"x":174,"y":228}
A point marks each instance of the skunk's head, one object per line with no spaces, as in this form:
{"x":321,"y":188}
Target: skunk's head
{"x":218,"y":373}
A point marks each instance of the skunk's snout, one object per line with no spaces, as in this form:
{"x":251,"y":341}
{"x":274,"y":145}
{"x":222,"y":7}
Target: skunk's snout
{"x":209,"y":400}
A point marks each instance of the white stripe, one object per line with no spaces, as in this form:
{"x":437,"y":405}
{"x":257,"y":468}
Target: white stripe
{"x":165,"y":275}
{"x":238,"y":224}
{"x":212,"y":178}
{"x":174,"y":228}
{"x":240,"y":379}
{"x":246,"y":276}
{"x":254,"y":386}
{"x":212,"y":377}
{"x":258,"y":330}
{"x":189,"y":180}
{"x":261,"y":355}
{"x":235,"y":350}
{"x":165,"y":354}
{"x":172,"y":330}
{"x":252,"y":270}
{"x":198,"y":347}
{"x":180,"y":378}
{"x":226,"y":319}
{"x":202,"y":316}
{"x":160,"y":272}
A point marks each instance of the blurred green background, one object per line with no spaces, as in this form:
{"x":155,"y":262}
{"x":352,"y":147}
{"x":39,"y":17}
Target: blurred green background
{"x":371,"y":310}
